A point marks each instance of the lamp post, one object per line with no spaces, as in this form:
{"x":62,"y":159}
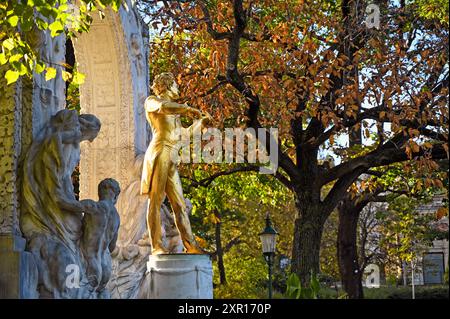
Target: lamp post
{"x":269,"y":239}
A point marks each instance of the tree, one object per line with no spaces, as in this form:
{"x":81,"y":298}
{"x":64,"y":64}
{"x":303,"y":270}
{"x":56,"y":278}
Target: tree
{"x":382,"y":187}
{"x":315,"y":71}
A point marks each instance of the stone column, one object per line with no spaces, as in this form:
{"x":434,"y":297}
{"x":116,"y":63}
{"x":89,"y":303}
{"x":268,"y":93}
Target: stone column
{"x":17,"y":269}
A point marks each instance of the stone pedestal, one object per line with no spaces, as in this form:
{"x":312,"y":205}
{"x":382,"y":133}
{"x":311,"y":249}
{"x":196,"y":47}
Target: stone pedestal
{"x":179,"y":276}
{"x":18,"y":272}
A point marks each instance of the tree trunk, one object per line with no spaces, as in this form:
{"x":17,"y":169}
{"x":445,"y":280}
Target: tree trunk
{"x":219,"y":251}
{"x":347,"y":251}
{"x":306,"y":246}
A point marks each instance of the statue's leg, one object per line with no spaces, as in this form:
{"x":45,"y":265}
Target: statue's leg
{"x":174,"y":192}
{"x":156,"y":198}
{"x":94,"y":271}
{"x":106,"y":275}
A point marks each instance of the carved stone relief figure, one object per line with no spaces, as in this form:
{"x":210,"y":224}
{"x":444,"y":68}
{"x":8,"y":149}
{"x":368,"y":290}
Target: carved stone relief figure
{"x":52,"y":218}
{"x":100,"y":228}
{"x":137,"y":52}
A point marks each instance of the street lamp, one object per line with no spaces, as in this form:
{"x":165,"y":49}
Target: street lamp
{"x":269,"y":239}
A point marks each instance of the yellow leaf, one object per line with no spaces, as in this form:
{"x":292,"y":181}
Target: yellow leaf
{"x":15,"y":57}
{"x":13,"y":20}
{"x":8,"y":44}
{"x":50,"y":73}
{"x":66,"y":76}
{"x":3,"y":59}
{"x":78,"y":78}
{"x":11,"y":76}
{"x":39,"y":68}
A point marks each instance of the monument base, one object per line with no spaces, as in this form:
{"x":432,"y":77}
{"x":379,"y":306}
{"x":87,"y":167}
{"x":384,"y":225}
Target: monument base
{"x":179,"y":276}
{"x":18,"y":272}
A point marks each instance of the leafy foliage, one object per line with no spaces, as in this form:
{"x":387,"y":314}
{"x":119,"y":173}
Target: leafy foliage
{"x":433,"y":9}
{"x":239,"y":203}
{"x":246,"y":277}
{"x":296,"y":291}
{"x":73,"y":96}
{"x":242,"y":199}
{"x":22,"y":19}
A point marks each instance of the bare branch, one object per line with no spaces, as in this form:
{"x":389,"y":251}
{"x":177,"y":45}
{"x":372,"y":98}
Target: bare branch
{"x":207,"y":181}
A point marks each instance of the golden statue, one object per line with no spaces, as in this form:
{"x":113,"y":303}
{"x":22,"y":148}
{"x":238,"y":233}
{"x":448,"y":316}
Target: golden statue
{"x":159,"y":174}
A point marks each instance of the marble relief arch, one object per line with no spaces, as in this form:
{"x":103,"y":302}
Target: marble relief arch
{"x":113,"y":55}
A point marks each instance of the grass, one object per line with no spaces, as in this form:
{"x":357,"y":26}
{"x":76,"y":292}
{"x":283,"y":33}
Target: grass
{"x":384,"y":292}
{"x":402,"y":292}
{"x":392,"y":292}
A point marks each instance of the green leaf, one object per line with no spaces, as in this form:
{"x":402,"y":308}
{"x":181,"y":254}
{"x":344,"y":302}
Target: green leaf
{"x":78,"y":78}
{"x":11,"y":76}
{"x":43,"y":25}
{"x":315,"y":286}
{"x":50,"y":73}
{"x":83,"y":8}
{"x":13,"y":20}
{"x":293,"y":286}
{"x":26,"y":24}
{"x":55,"y":28}
{"x":8,"y":44}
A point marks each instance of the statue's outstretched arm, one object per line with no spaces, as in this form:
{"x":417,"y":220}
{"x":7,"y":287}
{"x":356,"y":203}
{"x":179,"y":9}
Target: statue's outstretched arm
{"x":169,"y":107}
{"x":203,"y":122}
{"x":69,"y":205}
{"x":89,"y":206}
{"x":198,"y":125}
